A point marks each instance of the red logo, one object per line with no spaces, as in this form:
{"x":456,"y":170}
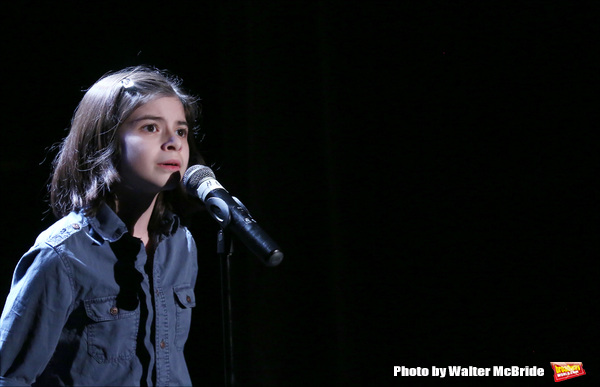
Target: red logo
{"x":564,"y":370}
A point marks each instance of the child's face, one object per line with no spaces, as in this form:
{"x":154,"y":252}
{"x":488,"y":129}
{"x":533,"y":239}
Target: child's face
{"x":154,"y":146}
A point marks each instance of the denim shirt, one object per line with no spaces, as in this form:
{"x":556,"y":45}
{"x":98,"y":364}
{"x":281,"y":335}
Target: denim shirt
{"x":88,"y":306}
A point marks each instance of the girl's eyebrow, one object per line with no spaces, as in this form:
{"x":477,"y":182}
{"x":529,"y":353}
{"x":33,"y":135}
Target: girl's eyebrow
{"x":156,"y":118}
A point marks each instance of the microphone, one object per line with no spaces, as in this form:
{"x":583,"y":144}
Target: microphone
{"x":230,"y":213}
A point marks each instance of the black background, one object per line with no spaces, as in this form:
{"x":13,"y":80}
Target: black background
{"x":427,"y":167}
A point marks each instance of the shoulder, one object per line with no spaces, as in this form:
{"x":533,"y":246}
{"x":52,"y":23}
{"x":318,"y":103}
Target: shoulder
{"x":45,"y":256}
{"x":179,"y":245}
{"x":60,"y":231}
{"x":178,"y":256}
{"x":183,"y":235}
{"x":43,"y":263}
{"x":177,"y":232}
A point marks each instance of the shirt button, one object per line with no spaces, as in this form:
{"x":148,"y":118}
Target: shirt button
{"x":76,"y":226}
{"x":114,"y":310}
{"x":188,"y":299}
{"x":163,"y":344}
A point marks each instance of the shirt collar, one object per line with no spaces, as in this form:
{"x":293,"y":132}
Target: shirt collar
{"x":110,"y":227}
{"x":170,"y":224}
{"x":107,"y":224}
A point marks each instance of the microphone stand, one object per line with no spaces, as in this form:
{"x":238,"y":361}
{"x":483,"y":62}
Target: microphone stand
{"x":225,"y":251}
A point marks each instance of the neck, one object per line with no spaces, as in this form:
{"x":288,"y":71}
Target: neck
{"x":135,"y":212}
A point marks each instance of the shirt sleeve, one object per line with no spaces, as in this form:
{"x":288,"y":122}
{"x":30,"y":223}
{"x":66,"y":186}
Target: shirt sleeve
{"x":34,"y":315}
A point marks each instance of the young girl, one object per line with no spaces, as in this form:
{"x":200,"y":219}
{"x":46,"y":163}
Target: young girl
{"x":104,"y":296}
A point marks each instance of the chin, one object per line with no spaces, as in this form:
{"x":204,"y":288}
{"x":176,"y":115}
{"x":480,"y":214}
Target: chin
{"x":173,"y":182}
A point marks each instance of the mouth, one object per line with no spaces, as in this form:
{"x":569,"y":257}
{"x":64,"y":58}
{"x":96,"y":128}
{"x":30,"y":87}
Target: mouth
{"x":171,"y":165}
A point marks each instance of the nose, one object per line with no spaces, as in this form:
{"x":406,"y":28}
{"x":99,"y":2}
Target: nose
{"x":172,"y":142}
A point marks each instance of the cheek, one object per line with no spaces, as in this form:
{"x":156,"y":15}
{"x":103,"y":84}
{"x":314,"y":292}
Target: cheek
{"x":132,"y":153}
{"x":185,"y":156}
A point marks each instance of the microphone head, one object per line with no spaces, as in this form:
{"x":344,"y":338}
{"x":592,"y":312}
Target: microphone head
{"x":194,"y":176}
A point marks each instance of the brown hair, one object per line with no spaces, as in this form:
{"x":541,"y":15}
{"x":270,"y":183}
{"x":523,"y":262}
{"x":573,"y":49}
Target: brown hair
{"x":85,"y":167}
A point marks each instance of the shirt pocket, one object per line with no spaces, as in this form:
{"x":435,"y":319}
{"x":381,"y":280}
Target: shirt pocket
{"x":184,"y":302}
{"x":112,"y":333}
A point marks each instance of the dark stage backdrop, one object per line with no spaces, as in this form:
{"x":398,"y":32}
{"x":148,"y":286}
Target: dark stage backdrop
{"x":426,"y":167}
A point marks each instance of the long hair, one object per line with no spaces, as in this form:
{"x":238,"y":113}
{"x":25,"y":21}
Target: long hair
{"x":85,"y":167}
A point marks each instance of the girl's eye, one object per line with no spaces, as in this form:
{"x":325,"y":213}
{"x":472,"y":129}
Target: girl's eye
{"x":150,"y":128}
{"x":182,"y":132}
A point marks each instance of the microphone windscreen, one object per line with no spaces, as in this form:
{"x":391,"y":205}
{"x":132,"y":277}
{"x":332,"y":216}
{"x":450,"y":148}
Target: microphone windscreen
{"x":194,"y":176}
